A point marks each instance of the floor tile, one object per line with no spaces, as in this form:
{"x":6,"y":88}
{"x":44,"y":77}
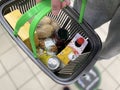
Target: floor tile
{"x":101,"y":34}
{"x":105,"y":26}
{"x":107,"y":62}
{"x":5,"y":44}
{"x":11,"y":58}
{"x":21,"y":51}
{"x":60,"y":87}
{"x":118,"y":56}
{"x":33,"y":66}
{"x":46,"y":82}
{"x":21,"y":74}
{"x":118,"y":88}
{"x":114,"y":70}
{"x":107,"y":83}
{"x":2,"y":71}
{"x":6,"y":84}
{"x":99,"y":66}
{"x":32,"y":85}
{"x":1,"y":29}
{"x":73,"y":87}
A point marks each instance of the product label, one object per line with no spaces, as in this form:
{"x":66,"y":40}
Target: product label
{"x":73,"y":49}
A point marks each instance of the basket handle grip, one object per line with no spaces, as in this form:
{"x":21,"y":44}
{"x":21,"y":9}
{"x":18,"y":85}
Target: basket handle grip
{"x":26,"y":16}
{"x":33,"y":26}
{"x":39,"y":11}
{"x":82,"y":10}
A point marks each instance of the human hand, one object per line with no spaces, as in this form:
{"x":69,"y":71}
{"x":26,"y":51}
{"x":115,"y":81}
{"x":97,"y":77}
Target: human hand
{"x":57,"y":5}
{"x":37,"y":1}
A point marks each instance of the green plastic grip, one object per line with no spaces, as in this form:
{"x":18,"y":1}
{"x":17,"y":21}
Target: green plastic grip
{"x":37,"y":12}
{"x":26,"y":16}
{"x":33,"y":26}
{"x":82,"y":10}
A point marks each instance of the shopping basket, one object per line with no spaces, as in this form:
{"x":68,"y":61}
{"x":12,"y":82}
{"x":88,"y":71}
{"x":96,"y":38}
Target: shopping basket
{"x":67,"y":18}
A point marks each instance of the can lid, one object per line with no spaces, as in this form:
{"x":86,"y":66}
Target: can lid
{"x":53,"y":63}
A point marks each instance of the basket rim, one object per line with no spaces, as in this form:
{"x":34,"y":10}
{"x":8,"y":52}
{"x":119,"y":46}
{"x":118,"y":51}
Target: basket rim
{"x":96,"y":45}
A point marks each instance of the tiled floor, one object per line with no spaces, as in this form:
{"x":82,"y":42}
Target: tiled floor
{"x":18,"y":72}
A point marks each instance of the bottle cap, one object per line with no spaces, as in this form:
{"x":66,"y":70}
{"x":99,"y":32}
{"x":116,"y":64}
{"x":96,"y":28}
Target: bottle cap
{"x":80,"y":41}
{"x":63,"y":34}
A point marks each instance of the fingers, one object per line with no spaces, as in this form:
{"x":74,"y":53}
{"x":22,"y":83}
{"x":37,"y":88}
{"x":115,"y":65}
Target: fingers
{"x":56,"y":6}
{"x":65,"y":3}
{"x":37,"y":1}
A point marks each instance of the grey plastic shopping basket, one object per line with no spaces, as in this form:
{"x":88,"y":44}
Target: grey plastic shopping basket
{"x":84,"y":61}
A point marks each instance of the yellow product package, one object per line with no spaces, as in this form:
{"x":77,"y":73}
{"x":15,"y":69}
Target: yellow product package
{"x":23,"y":33}
{"x":73,"y":49}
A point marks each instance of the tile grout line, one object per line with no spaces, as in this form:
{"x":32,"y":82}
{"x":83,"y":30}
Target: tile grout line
{"x":6,"y":51}
{"x":8,"y":75}
{"x":27,"y":82}
{"x":19,"y":64}
{"x":7,"y":72}
{"x":102,"y":67}
{"x":31,"y":69}
{"x":15,"y":65}
{"x":105,"y":68}
{"x":20,"y":52}
{"x":34,"y":75}
{"x":117,"y":87}
{"x":39,"y":80}
{"x":112,"y":77}
{"x":3,"y":73}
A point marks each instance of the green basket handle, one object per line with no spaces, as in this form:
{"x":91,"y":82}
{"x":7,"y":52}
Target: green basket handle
{"x":26,"y":16}
{"x":34,"y":24}
{"x":82,"y":11}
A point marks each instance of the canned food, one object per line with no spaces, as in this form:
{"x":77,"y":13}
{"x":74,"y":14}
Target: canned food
{"x":52,"y":62}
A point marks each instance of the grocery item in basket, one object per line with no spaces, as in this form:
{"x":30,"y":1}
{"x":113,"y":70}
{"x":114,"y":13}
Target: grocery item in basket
{"x":12,"y":19}
{"x":60,"y":36}
{"x":45,"y":31}
{"x":73,"y":49}
{"x":49,"y":46}
{"x":55,"y":24}
{"x":46,"y":27}
{"x":69,"y":68}
{"x":73,"y":66}
{"x":52,"y":62}
{"x":45,"y":20}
